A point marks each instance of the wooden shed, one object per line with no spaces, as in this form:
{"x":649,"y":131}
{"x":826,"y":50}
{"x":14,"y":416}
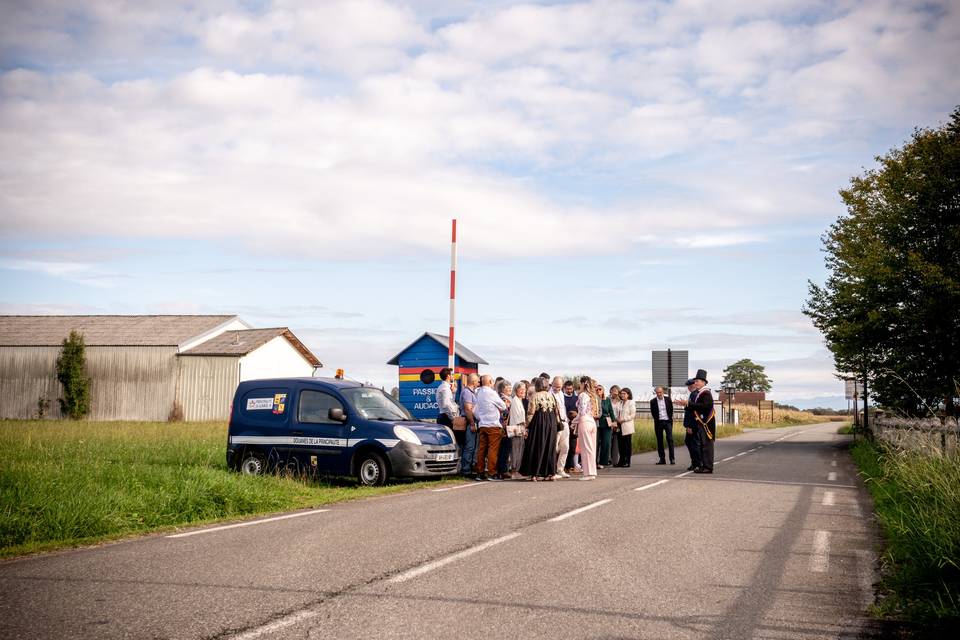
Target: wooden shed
{"x":141,"y":367}
{"x":420,"y":363}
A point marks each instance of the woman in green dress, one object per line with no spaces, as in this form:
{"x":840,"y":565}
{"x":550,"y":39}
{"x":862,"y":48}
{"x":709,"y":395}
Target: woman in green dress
{"x":604,"y":427}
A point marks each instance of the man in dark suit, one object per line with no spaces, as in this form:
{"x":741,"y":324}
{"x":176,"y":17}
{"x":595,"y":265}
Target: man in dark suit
{"x":661,"y":410}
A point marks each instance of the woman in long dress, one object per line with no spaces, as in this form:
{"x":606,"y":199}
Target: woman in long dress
{"x":588,"y":410}
{"x":539,"y":460}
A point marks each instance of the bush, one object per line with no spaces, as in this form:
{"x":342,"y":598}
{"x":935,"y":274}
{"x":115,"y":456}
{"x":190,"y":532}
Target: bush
{"x":70,"y":372}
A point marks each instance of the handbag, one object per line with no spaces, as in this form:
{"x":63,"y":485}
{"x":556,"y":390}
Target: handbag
{"x":460,"y":423}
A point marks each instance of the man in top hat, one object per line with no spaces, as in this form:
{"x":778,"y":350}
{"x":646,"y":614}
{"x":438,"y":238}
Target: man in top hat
{"x":704,"y":419}
{"x":691,"y":439}
{"x":702,"y":409}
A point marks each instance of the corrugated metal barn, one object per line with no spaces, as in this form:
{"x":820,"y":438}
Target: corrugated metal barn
{"x":142,"y":366}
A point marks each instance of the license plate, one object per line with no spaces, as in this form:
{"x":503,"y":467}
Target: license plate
{"x":444,"y":457}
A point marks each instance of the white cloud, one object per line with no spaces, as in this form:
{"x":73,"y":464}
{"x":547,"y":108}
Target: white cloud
{"x":367,"y":126}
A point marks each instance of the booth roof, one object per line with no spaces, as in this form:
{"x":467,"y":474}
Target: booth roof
{"x":458,"y":349}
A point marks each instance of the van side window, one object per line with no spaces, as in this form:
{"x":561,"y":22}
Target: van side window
{"x":315,"y":406}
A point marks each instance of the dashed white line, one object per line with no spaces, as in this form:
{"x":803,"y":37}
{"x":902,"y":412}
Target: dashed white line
{"x":436,"y":564}
{"x":461,"y":486}
{"x":742,"y":453}
{"x":570,"y":514}
{"x":278,"y":624}
{"x":820,"y":555}
{"x":650,"y":486}
{"x":829,"y":499}
{"x":685,"y":473}
{"x":730,"y":458}
{"x":751,"y":450}
{"x":248,"y":524}
{"x":832,"y":476}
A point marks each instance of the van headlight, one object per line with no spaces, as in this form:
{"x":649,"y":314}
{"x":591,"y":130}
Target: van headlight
{"x":405,"y":434}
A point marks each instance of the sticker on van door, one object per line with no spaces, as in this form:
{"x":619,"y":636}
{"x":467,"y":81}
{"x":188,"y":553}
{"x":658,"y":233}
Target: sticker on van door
{"x":259,"y":404}
{"x":279,"y":403}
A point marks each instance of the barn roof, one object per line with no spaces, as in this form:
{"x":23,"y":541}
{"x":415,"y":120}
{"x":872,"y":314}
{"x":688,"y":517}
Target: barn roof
{"x":240,"y":343}
{"x":458,"y":349}
{"x":166,"y":330}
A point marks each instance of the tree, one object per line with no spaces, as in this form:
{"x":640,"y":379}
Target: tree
{"x":70,"y":372}
{"x":889,"y":308}
{"x":747,"y":375}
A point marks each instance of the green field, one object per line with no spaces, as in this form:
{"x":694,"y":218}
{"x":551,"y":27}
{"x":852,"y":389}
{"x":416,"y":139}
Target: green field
{"x":71,"y":483}
{"x":917,"y":501}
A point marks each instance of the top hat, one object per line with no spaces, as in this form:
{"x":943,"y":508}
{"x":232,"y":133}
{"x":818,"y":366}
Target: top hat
{"x":701,"y":375}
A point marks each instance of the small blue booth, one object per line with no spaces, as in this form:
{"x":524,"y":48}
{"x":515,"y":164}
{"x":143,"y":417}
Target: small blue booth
{"x":420,"y":365}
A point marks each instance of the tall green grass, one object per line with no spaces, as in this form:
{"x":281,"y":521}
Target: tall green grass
{"x":917,"y":500}
{"x":69,"y":483}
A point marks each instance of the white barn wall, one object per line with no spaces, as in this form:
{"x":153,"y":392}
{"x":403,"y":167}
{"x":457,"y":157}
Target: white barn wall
{"x":275,"y":359}
{"x":126,"y":383}
{"x":131,"y":383}
{"x":26,"y":374}
{"x":206,"y":387}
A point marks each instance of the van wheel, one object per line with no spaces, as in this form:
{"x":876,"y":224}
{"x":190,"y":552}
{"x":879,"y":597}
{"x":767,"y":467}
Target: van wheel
{"x":251,"y":465}
{"x":371,"y":470}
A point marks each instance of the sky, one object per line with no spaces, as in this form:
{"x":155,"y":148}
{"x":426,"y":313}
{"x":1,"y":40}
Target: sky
{"x":626,"y":176}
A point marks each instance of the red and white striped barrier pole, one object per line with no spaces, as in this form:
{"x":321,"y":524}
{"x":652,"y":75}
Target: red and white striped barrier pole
{"x":453,"y":292}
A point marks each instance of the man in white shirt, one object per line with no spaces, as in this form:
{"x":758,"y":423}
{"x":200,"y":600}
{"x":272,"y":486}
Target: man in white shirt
{"x":563,"y":436}
{"x":661,"y":410}
{"x":487,"y":412}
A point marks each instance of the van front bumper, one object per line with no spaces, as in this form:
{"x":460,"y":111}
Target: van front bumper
{"x":413,"y":460}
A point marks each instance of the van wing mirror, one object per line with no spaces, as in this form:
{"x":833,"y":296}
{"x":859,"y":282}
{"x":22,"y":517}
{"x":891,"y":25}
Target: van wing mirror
{"x":337,"y":414}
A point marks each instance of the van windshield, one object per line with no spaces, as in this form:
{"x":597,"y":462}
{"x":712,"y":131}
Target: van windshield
{"x":374,"y":404}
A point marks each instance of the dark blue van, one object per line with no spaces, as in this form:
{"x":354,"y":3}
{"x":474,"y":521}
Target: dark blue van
{"x":335,"y":427}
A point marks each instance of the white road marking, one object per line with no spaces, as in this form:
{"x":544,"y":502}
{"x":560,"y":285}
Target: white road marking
{"x":461,"y":486}
{"x":730,"y":458}
{"x":650,"y":486}
{"x":248,"y":524}
{"x":832,"y":476}
{"x":276,"y":625}
{"x":742,"y":453}
{"x":820,"y":555}
{"x":570,"y":514}
{"x":829,"y":499}
{"x":436,"y":564}
{"x":685,"y":473}
{"x":751,"y":450}
{"x":833,"y":463}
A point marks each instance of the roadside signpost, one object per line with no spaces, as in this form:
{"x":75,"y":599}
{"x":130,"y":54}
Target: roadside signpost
{"x":670,"y":368}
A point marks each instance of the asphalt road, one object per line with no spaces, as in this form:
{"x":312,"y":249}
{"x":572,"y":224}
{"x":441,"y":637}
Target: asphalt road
{"x":778,"y":543}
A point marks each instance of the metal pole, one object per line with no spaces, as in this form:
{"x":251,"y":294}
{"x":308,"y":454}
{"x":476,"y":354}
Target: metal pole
{"x":453,"y":294}
{"x":866,"y":418}
{"x":669,"y":368}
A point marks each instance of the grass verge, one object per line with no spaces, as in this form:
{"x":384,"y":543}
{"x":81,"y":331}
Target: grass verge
{"x":71,"y":483}
{"x":917,"y":502}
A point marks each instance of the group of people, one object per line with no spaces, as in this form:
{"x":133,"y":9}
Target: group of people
{"x":549,"y":429}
